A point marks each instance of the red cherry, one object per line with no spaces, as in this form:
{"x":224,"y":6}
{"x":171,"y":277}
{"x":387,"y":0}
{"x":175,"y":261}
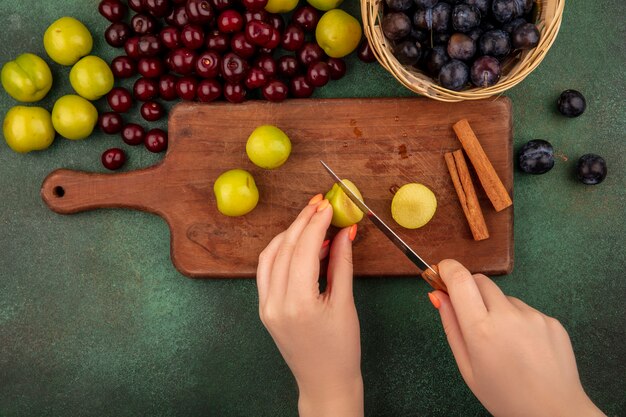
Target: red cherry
{"x":274,"y":40}
{"x":192,"y":36}
{"x":131,"y":47}
{"x":275,"y":91}
{"x":300,"y":88}
{"x":155,"y":140}
{"x":110,"y":122}
{"x":170,"y":37}
{"x":199,"y":11}
{"x":209,"y":90}
{"x":117,"y":34}
{"x":143,"y":24}
{"x":230,"y":21}
{"x":113,"y":158}
{"x":133,"y":134}
{"x":293,"y":38}
{"x":234,"y":92}
{"x":178,"y":17}
{"x":267,"y":64}
{"x":222,"y":4}
{"x":186,"y":88}
{"x":149,"y":45}
{"x":152,"y":111}
{"x":157,"y":8}
{"x":123,"y":67}
{"x":150,"y":67}
{"x":119,"y":99}
{"x":136,"y":5}
{"x":310,"y":53}
{"x":182,"y":61}
{"x":318,"y":74}
{"x":307,"y":17}
{"x":258,"y":33}
{"x":256,"y":78}
{"x":337,"y":67}
{"x":208,"y":64}
{"x":365,"y":52}
{"x":276,"y":20}
{"x":241,"y":46}
{"x":145,"y":89}
{"x":113,"y":10}
{"x":167,"y":87}
{"x":260,"y":15}
{"x":288,"y":66}
{"x":234,"y":68}
{"x":217,"y":41}
{"x":254,"y":5}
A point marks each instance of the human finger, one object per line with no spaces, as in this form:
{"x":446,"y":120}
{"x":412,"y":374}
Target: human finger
{"x":305,"y":264}
{"x":340,"y":269}
{"x":463,"y":291}
{"x":280,"y":268}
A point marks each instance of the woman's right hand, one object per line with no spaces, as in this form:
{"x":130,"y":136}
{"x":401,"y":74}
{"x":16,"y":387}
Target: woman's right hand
{"x":516,"y":360}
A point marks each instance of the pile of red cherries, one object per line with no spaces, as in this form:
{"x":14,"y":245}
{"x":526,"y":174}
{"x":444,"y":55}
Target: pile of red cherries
{"x":205,"y":50}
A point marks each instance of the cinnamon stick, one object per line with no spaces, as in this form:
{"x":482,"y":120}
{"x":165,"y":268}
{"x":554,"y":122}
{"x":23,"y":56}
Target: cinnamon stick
{"x":487,"y":175}
{"x":467,"y":194}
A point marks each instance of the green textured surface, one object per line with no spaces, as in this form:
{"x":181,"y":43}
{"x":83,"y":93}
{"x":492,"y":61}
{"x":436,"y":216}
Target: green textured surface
{"x":95,"y":320}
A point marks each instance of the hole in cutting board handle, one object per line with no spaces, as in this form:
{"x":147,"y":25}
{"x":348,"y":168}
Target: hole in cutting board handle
{"x":58,"y":191}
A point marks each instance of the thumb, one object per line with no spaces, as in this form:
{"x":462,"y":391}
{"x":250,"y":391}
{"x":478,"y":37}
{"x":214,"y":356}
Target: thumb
{"x":340,"y":264}
{"x":453,"y":333}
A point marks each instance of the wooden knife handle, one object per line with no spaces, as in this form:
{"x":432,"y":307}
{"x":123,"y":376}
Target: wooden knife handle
{"x":434,"y":279}
{"x":66,"y":191}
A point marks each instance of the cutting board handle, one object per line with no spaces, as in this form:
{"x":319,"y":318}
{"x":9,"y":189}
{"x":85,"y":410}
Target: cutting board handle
{"x":67,"y":192}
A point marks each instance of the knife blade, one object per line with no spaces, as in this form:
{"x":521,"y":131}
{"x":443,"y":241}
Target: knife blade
{"x":429,"y":273}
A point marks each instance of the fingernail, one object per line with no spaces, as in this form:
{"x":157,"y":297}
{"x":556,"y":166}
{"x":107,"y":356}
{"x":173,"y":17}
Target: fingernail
{"x":433,"y":299}
{"x":325,"y":243}
{"x":323,"y":205}
{"x":352,"y":233}
{"x":316,"y":199}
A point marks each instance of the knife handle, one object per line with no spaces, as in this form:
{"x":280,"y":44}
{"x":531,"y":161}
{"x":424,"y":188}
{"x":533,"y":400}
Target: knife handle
{"x":433,"y":279}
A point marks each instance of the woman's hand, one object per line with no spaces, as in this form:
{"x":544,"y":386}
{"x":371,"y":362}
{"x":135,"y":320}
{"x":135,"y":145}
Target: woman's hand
{"x":516,"y":360}
{"x":317,"y":333}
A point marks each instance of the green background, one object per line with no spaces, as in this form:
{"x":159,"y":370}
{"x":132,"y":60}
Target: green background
{"x":95,"y":320}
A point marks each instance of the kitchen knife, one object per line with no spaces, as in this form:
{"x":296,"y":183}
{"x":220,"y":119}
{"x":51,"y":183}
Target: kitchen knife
{"x":429,"y":273}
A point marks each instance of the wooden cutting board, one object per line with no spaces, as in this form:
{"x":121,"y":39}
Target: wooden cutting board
{"x":379,"y":144}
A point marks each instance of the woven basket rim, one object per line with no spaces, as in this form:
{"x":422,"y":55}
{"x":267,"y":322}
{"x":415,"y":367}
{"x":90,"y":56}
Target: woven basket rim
{"x":549,"y":22}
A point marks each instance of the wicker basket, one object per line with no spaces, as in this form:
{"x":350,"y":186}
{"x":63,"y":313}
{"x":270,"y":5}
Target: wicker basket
{"x":548,"y":15}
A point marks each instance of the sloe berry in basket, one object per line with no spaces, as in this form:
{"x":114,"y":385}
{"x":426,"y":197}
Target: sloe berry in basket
{"x":485,"y":71}
{"x":454,"y":75}
{"x":465,"y":17}
{"x":461,"y":46}
{"x":423,"y":19}
{"x":399,"y":5}
{"x":475,"y":34}
{"x":505,"y":10}
{"x":396,"y":25}
{"x":435,"y":59}
{"x":470,"y":38}
{"x":441,"y":16}
{"x":426,"y":3}
{"x":482,"y":5}
{"x":525,"y":36}
{"x":408,"y":52}
{"x":510,"y":26}
{"x":495,"y":43}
